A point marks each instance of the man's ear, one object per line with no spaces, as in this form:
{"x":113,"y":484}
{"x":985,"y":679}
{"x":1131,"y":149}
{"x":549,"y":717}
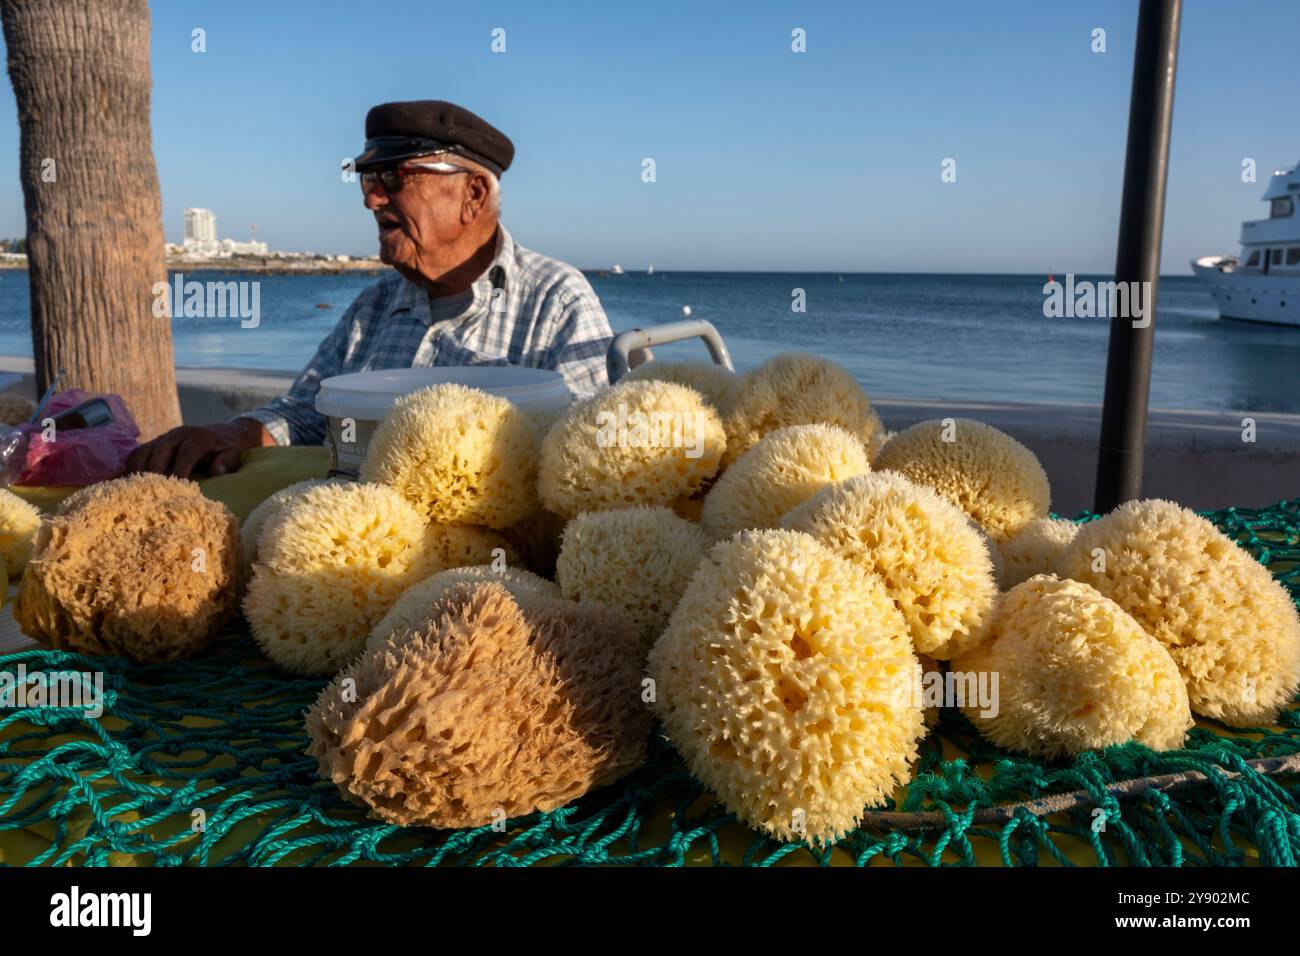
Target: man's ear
{"x":477,"y":192}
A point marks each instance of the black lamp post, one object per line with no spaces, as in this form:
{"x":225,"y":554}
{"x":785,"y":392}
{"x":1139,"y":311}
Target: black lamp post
{"x":1142,"y":214}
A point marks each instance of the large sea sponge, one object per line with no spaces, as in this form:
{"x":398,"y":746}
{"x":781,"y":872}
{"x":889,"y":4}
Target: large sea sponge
{"x":414,"y":607}
{"x":143,"y":567}
{"x":1230,"y":626}
{"x":636,"y":443}
{"x":636,"y":560}
{"x":984,"y":472}
{"x":484,"y":713}
{"x":329,"y":566}
{"x":935,"y":564}
{"x":787,"y":680}
{"x":1075,"y":673}
{"x":1035,"y":549}
{"x":250,"y":532}
{"x":18,"y":523}
{"x":785,"y":468}
{"x":794,"y":388}
{"x":459,"y":455}
{"x":719,"y":385}
{"x":15,"y":408}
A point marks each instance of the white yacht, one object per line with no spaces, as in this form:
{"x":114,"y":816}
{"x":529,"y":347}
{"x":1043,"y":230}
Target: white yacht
{"x":1263,"y":284}
{"x":617,"y":270}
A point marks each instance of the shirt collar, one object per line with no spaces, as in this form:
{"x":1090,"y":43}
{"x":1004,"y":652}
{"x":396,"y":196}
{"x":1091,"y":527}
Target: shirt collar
{"x":414,"y":299}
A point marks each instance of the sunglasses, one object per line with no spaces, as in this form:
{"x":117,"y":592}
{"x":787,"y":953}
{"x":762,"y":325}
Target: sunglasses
{"x":394,"y":178}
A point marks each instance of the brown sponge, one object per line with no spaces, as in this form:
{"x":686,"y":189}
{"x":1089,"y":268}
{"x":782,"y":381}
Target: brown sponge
{"x":484,"y":713}
{"x":143,"y":567}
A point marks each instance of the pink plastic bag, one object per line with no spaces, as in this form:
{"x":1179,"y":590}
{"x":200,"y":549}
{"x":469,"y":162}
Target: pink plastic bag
{"x":78,"y":456}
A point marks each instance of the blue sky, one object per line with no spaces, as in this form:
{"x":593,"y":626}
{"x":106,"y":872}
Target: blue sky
{"x":765,"y":159}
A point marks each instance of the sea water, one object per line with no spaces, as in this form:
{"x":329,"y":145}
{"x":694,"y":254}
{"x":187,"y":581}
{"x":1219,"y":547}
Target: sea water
{"x":959,"y":337}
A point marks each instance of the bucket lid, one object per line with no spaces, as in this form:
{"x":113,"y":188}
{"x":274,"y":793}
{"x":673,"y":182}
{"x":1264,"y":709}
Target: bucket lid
{"x":370,"y":395}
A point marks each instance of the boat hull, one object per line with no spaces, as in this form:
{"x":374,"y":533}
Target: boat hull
{"x":1251,"y":296}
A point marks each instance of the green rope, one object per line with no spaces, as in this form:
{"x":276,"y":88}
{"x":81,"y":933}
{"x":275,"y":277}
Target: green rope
{"x":224,"y":734}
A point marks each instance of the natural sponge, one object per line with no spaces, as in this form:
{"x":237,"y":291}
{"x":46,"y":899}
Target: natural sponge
{"x":1034,"y":549}
{"x":719,"y":385}
{"x":798,"y":389}
{"x":635,"y":443}
{"x":786,"y":679}
{"x":484,"y":713}
{"x":984,"y":472}
{"x":933,"y":562}
{"x":1229,"y":625}
{"x":18,"y":523}
{"x":1075,"y":673}
{"x":329,"y":566}
{"x":15,"y":408}
{"x":785,"y":468}
{"x":464,"y":545}
{"x":636,"y":560}
{"x":459,"y":455}
{"x":144,"y":568}
{"x":251,"y":530}
{"x":413,"y":608}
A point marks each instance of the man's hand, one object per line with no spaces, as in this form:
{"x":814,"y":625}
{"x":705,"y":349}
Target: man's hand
{"x":216,"y":449}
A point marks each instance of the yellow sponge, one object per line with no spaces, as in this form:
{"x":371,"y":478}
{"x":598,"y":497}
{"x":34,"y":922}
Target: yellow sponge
{"x":141,"y":567}
{"x":459,"y":455}
{"x":1230,"y":626}
{"x":984,"y":472}
{"x":18,"y":523}
{"x":329,"y":566}
{"x":717,"y":384}
{"x":784,"y":468}
{"x":636,"y":560}
{"x":1076,"y":673}
{"x":794,"y":388}
{"x":251,"y":530}
{"x":786,"y":679}
{"x":934,"y":563}
{"x":413,"y":608}
{"x":484,"y":713}
{"x":1034,"y":549}
{"x":636,"y":443}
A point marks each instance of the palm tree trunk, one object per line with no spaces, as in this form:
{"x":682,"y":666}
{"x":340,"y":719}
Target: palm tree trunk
{"x":80,"y":72}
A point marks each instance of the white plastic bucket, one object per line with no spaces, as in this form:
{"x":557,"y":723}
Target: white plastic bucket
{"x":363,"y":399}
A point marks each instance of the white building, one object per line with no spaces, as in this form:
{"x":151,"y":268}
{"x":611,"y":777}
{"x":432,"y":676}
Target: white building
{"x":200,"y":226}
{"x":201,"y":238}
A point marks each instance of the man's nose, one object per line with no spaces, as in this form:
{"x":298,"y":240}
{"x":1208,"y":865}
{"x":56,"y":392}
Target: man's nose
{"x":374,"y":196}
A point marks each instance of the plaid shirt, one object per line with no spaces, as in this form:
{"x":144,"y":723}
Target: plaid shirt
{"x":525,"y":309}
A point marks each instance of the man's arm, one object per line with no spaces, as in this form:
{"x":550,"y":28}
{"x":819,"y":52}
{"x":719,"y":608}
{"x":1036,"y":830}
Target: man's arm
{"x":288,"y":419}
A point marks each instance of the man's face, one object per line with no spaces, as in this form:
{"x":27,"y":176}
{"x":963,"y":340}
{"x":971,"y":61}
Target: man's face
{"x":421,"y":226}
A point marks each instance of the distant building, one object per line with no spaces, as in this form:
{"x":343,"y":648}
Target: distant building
{"x":201,"y":240}
{"x":200,"y":226}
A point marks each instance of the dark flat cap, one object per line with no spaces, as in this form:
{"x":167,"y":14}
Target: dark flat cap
{"x":398,"y":131}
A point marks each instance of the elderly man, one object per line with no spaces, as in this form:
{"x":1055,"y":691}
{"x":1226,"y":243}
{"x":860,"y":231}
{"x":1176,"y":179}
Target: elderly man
{"x":463,"y":291}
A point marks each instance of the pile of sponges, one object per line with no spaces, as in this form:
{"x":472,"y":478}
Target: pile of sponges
{"x":506,"y":599}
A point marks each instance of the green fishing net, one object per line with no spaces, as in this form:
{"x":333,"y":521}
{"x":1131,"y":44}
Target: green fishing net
{"x":202,"y":763}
